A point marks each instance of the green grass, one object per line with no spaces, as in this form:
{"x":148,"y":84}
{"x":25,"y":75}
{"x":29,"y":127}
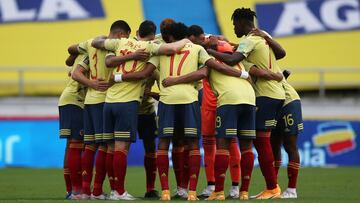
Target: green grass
{"x":314,"y":184}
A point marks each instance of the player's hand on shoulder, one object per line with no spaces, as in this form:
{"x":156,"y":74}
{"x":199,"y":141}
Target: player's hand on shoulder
{"x":258,"y":32}
{"x":140,"y":55}
{"x":169,"y":81}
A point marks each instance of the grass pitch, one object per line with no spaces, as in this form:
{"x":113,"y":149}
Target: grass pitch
{"x":314,"y":184}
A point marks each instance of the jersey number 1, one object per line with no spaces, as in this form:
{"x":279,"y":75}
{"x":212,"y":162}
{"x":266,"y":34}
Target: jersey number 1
{"x":172,"y":58}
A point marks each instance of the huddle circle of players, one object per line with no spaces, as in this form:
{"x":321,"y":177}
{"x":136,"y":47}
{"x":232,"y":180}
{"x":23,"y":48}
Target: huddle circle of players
{"x":244,"y":97}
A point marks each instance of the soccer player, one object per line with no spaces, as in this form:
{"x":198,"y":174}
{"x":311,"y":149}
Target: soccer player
{"x":71,"y":104}
{"x":289,"y":125}
{"x":270,"y":94}
{"x":178,"y":106}
{"x":208,"y":115}
{"x":97,"y":82}
{"x":122,"y":99}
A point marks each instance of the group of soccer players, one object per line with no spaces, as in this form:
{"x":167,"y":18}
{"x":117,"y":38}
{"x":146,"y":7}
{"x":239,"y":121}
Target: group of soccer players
{"x":244,"y":97}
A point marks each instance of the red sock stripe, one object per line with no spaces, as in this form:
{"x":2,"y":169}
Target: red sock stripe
{"x":103,"y":149}
{"x":246,"y":151}
{"x":278,"y":163}
{"x":178,"y":149}
{"x":222,"y":152}
{"x":89,"y":147}
{"x":194,"y":153}
{"x":125,"y":152}
{"x":76,"y":145}
{"x":162,"y":152}
{"x":234,"y":140}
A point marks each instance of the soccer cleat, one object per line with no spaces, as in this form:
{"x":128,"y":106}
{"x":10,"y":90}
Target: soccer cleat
{"x":216,"y":196}
{"x":75,"y":196}
{"x":68,"y":195}
{"x":289,"y":193}
{"x":207,"y":192}
{"x":152,"y":194}
{"x":99,"y":197}
{"x":180,"y":193}
{"x":244,"y":195}
{"x":234,"y":192}
{"x":85,"y":197}
{"x":124,"y":196}
{"x":192,"y":196}
{"x":269,"y":194}
{"x":165,"y":195}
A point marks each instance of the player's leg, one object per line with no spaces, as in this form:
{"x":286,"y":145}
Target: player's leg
{"x":226,"y":127}
{"x":266,"y":115}
{"x":124,"y":134}
{"x":246,"y":135}
{"x":67,"y":171}
{"x":294,"y":124}
{"x":209,"y":145}
{"x":234,"y":168}
{"x":108,"y":135}
{"x":65,"y":134}
{"x":147,"y":132}
{"x":166,"y":114}
{"x":276,"y":142}
{"x":100,"y":160}
{"x":191,"y":119}
{"x":178,"y":159}
{"x":87,"y":159}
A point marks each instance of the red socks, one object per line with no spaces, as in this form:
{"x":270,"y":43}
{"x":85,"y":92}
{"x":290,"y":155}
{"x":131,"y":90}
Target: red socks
{"x":74,"y":164}
{"x":234,"y":160}
{"x":209,"y":145}
{"x":110,"y":168}
{"x":185,"y":170}
{"x":247,"y":165}
{"x":67,"y":180}
{"x":150,"y":170}
{"x":293,"y":170}
{"x":100,"y":170}
{"x":277,"y":166}
{"x":221,"y":165}
{"x":120,"y":165}
{"x":163,"y":168}
{"x":266,"y":158}
{"x":194,"y":168}
{"x":178,"y":164}
{"x":87,"y":162}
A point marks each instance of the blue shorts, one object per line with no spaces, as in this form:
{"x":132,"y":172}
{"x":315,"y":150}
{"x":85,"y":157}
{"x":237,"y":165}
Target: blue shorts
{"x":200,"y":96}
{"x":93,"y":123}
{"x":179,"y":117}
{"x":120,"y":121}
{"x":290,"y":120}
{"x":236,"y":121}
{"x":71,"y":122}
{"x":147,"y":128}
{"x":267,"y":111}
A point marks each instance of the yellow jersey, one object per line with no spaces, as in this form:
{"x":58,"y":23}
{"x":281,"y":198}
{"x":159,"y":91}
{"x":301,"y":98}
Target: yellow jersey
{"x":257,"y":51}
{"x":188,"y":60}
{"x":96,"y":68}
{"x":231,"y":90}
{"x":133,"y":90}
{"x":290,"y":93}
{"x":147,"y":105}
{"x":74,"y":92}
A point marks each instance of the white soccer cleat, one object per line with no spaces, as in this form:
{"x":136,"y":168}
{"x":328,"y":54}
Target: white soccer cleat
{"x":85,"y":197}
{"x":181,"y":193}
{"x":234,"y":192}
{"x":207,"y":191}
{"x":99,"y":197}
{"x":289,"y":193}
{"x":75,"y":196}
{"x":124,"y":196}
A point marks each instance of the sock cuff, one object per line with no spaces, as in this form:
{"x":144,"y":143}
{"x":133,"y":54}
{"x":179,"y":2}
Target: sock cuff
{"x":194,"y":152}
{"x":66,"y":171}
{"x":161,"y":152}
{"x":178,"y":149}
{"x":224,"y":152}
{"x":246,"y":151}
{"x":76,"y":145}
{"x":263,"y":134}
{"x":277,"y":163}
{"x":122,"y":151}
{"x":293,"y":165}
{"x":90,"y":147}
{"x":209,"y":140}
{"x":150,"y":155}
{"x":102,"y":148}
{"x":234,"y":140}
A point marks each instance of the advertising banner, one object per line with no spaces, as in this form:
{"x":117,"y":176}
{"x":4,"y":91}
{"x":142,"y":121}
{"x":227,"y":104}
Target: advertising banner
{"x":36,"y":144}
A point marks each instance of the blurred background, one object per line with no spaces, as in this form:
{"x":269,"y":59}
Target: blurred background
{"x":321,"y":38}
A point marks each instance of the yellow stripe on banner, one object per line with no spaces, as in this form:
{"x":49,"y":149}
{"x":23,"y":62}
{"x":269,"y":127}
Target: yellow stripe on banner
{"x":332,"y":137}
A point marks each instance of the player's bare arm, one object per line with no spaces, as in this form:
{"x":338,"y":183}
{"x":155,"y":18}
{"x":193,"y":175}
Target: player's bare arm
{"x":266,"y":74}
{"x":172,"y":48}
{"x":139,"y":55}
{"x":135,"y":76}
{"x":225,"y":69}
{"x":188,"y":78}
{"x":229,"y":59}
{"x":279,"y":51}
{"x":99,"y":42}
{"x":79,"y":75}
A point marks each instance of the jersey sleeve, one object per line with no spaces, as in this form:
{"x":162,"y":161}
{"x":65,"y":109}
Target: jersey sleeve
{"x":155,"y":60}
{"x":203,"y":57}
{"x":111,"y":44}
{"x":153,"y":48}
{"x":84,"y":62}
{"x":83,"y":47}
{"x":246,"y":46}
{"x":247,"y":65}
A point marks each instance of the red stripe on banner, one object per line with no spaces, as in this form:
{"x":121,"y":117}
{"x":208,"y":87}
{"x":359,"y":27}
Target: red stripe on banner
{"x":28,"y":118}
{"x":340,"y":146}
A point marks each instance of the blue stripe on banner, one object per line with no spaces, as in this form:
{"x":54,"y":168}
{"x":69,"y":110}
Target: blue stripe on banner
{"x":190,"y":12}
